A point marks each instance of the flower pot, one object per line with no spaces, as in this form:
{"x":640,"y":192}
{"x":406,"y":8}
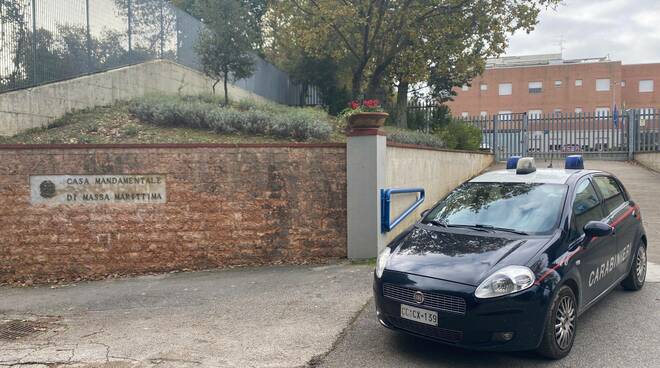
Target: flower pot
{"x":364,"y":120}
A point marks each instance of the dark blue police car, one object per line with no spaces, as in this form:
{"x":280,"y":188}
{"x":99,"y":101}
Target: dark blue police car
{"x":510,"y":259}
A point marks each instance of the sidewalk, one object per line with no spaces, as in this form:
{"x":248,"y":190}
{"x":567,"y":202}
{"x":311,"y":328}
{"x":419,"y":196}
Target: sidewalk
{"x":253,"y":317}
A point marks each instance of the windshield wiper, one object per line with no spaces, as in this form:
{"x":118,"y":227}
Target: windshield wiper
{"x":436,"y":222}
{"x":505,"y":229}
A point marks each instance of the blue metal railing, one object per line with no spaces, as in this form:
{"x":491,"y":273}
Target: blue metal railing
{"x":385,"y":206}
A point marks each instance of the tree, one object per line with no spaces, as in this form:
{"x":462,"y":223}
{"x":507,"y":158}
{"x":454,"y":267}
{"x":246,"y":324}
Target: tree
{"x":225,"y":46}
{"x":374,"y":34}
{"x":255,"y":8}
{"x":152,"y":22}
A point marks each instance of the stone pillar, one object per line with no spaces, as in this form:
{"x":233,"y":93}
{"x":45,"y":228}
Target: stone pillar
{"x":366,"y":151}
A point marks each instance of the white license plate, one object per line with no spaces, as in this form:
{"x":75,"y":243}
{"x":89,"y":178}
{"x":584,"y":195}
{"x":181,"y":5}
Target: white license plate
{"x":419,"y":315}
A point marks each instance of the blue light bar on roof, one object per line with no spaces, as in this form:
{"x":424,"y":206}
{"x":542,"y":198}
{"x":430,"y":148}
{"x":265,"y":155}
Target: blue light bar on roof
{"x":574,"y":162}
{"x":512,"y":162}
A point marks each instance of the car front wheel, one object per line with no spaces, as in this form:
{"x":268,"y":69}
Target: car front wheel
{"x":560,"y":326}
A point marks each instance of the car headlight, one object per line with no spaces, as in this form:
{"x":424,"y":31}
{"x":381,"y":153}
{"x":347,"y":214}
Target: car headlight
{"x":508,"y":280}
{"x":381,"y":261}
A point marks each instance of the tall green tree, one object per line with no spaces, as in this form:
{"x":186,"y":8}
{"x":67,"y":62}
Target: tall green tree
{"x":225,"y":46}
{"x":256,"y":10}
{"x":374,"y":34}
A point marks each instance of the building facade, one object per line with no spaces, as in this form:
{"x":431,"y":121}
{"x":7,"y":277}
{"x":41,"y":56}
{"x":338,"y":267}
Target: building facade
{"x":546,"y":84}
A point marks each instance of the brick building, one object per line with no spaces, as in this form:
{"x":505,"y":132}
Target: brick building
{"x":545,"y":84}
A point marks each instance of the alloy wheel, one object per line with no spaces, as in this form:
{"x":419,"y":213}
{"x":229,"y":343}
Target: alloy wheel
{"x":565,"y":322}
{"x":641,"y":264}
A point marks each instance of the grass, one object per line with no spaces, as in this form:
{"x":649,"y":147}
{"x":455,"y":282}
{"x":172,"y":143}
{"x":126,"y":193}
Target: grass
{"x":364,"y":262}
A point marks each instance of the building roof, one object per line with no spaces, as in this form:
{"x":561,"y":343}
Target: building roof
{"x":545,"y":176}
{"x":538,"y":60}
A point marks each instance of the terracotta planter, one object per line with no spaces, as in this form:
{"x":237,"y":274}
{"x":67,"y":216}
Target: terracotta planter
{"x":363,"y":120}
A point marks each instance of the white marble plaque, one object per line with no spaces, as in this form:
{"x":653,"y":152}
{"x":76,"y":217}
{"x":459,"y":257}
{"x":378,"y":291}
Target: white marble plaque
{"x":97,"y":189}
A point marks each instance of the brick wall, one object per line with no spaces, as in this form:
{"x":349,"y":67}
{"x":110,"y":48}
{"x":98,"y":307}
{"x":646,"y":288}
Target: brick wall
{"x":226,"y":206}
{"x":566,"y":97}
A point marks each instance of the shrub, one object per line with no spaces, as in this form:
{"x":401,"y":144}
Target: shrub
{"x":461,"y":135}
{"x":249,"y":117}
{"x":415,"y":137}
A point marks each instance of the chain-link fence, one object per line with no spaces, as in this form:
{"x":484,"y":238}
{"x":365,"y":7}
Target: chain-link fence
{"x":43,"y":41}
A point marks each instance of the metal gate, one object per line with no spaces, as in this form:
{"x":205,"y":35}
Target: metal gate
{"x":598,"y":136}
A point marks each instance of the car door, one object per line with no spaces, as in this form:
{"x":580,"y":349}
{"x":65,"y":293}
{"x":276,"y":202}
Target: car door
{"x":588,"y":206}
{"x":621,"y":215}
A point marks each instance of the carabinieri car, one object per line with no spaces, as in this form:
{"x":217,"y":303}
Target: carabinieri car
{"x":511,"y":258}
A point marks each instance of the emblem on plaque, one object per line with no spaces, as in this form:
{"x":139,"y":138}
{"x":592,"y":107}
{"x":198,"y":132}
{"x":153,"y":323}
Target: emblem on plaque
{"x":47,"y":189}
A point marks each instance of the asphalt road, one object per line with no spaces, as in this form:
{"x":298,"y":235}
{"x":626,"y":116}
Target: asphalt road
{"x":250,"y":317}
{"x":623,"y":330}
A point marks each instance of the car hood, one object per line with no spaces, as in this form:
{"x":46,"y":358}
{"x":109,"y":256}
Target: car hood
{"x":460,"y":255}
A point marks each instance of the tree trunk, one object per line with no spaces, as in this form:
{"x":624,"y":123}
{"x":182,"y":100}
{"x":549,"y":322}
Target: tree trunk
{"x":374,"y":87}
{"x":215,"y":84}
{"x":356,"y":82}
{"x":226,"y":91}
{"x":401,"y":112}
{"x":356,"y":85}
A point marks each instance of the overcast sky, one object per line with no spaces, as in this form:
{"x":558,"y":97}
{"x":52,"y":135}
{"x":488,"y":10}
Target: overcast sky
{"x":626,"y":30}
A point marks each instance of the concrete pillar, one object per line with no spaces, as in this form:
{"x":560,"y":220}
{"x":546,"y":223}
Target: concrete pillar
{"x":366,"y":151}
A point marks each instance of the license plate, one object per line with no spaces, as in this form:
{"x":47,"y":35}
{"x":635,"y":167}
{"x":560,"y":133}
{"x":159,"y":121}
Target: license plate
{"x":419,"y":315}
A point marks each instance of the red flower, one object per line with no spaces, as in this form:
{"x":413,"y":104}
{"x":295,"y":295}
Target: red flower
{"x":371,"y":103}
{"x":354,"y":105}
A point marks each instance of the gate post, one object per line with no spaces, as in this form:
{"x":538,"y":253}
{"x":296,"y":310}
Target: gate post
{"x":632,"y":121}
{"x":525,"y":136}
{"x":365,"y":168}
{"x":495,"y":150}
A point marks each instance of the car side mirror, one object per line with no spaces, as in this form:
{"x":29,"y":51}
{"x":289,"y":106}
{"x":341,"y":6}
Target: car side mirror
{"x":424,"y":213}
{"x":597,"y":229}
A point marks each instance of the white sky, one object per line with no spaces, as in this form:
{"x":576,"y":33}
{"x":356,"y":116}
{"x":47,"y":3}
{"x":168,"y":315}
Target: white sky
{"x":626,"y":30}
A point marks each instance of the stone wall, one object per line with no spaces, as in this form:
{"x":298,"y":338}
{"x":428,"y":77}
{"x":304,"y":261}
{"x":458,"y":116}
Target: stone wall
{"x":650,"y":160}
{"x":36,"y":107}
{"x":436,"y":171}
{"x":226,"y":205}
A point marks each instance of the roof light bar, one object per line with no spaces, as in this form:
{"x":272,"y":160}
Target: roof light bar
{"x":512,"y":162}
{"x":574,"y":162}
{"x":526,"y":165}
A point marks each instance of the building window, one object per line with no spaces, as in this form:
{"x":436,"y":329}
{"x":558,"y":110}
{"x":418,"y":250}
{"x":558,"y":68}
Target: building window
{"x":645,"y":86}
{"x":483,"y":114}
{"x":556,"y":111}
{"x":602,"y":85}
{"x":602,"y":111}
{"x":578,"y":83}
{"x":506,"y":89}
{"x":578,"y":110}
{"x":647,"y":111}
{"x":465,"y":88}
{"x":534,"y":114}
{"x":535,"y":87}
{"x":504,"y":115}
{"x":483,"y":87}
{"x":558,"y":83}
{"x":464,"y":114}
{"x":623,"y":83}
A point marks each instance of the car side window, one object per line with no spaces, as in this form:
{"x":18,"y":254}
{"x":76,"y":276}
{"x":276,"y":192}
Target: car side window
{"x":586,"y":207}
{"x":612,"y":193}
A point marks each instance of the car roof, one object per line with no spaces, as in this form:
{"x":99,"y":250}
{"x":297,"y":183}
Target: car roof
{"x":544,"y":176}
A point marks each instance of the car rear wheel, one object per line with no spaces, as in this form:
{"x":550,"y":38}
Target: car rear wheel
{"x":560,"y":326}
{"x":637,"y":274}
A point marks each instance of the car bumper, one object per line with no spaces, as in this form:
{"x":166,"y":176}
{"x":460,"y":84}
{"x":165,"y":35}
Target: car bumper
{"x":481,"y":325}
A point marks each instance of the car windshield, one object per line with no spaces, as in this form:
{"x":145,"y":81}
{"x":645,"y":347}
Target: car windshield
{"x":531,"y":208}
